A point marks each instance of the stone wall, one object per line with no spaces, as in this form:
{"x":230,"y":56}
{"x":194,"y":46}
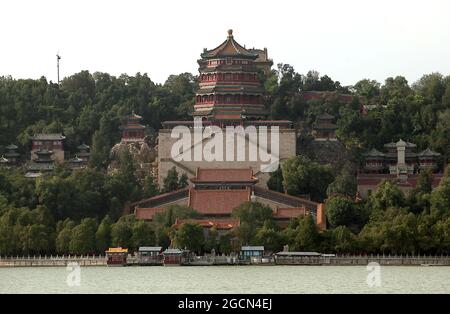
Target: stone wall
{"x":287,"y":149}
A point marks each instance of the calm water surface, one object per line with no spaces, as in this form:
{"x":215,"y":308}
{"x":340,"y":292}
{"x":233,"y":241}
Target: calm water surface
{"x":218,"y":279}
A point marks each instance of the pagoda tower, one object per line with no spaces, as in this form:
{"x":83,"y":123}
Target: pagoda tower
{"x":229,"y":87}
{"x":43,"y":163}
{"x":324,"y":128}
{"x":12,"y":155}
{"x":132,"y":129}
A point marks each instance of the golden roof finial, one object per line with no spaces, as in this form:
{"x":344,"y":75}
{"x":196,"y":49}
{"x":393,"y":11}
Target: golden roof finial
{"x":230,"y":33}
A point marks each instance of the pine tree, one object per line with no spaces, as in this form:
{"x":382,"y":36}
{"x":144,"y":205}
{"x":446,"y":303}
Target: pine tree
{"x":103,"y":235}
{"x":150,"y":187}
{"x":171,"y":181}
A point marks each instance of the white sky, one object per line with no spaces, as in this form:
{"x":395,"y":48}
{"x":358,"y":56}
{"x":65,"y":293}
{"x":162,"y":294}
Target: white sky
{"x":347,"y":39}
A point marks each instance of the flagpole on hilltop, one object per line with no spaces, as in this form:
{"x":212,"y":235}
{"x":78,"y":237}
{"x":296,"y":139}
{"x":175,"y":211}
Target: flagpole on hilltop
{"x":58,"y":57}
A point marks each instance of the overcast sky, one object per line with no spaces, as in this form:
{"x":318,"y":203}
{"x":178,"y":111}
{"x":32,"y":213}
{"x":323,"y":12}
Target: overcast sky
{"x":347,"y":39}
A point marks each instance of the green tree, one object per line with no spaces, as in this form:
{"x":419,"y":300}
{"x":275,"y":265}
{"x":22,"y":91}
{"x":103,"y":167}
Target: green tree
{"x":303,"y":176}
{"x":150,"y":187}
{"x":368,"y":88}
{"x":387,"y":195}
{"x":275,"y":181}
{"x":171,"y":181}
{"x":342,"y":212}
{"x":83,"y":237}
{"x":440,"y":197}
{"x":99,"y":157}
{"x":225,"y":243}
{"x":252,"y":215}
{"x":143,"y":234}
{"x":103,"y":235}
{"x":343,"y":239}
{"x":122,"y":232}
{"x":36,"y":238}
{"x":183,"y":181}
{"x":211,"y":242}
{"x":307,"y":236}
{"x":344,"y":184}
{"x":64,"y":236}
{"x":189,"y":236}
{"x":269,"y":237}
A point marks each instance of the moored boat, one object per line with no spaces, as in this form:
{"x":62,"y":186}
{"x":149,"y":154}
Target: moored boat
{"x":116,"y":256}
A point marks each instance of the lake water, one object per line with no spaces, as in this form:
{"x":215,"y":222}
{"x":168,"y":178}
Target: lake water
{"x":226,"y":279}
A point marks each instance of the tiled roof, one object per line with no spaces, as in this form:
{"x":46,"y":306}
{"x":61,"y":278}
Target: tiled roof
{"x":44,"y":151}
{"x":76,"y":159}
{"x":286,"y":199}
{"x":343,"y":98}
{"x":290,"y":212}
{"x":162,"y":198}
{"x":11,"y":147}
{"x":224,"y":175}
{"x":172,"y":251}
{"x":230,"y":89}
{"x":428,"y":153}
{"x":229,"y":48}
{"x":227,"y":116}
{"x":12,"y":154}
{"x":220,"y":202}
{"x":41,"y":166}
{"x":147,"y":213}
{"x":49,"y":137}
{"x":374,"y":180}
{"x":298,"y":254}
{"x":116,"y":250}
{"x":252,"y":248}
{"x":150,"y":249}
{"x":325,"y":126}
{"x":83,"y":147}
{"x":325,"y":116}
{"x":400,"y":142}
{"x":134,"y":116}
{"x":374,"y":153}
{"x":130,"y":126}
{"x":220,"y":224}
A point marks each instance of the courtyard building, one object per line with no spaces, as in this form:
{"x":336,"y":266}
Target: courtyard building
{"x":400,"y":163}
{"x":214,"y":193}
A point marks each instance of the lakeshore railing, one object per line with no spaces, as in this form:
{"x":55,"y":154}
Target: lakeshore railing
{"x":397,"y":260}
{"x":362,"y":260}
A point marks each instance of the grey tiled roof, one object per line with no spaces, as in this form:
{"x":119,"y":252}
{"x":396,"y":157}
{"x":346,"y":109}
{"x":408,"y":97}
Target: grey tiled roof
{"x":49,"y":137}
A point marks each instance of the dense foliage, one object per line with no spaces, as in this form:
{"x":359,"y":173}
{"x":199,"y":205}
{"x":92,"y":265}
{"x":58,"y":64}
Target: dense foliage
{"x":81,"y":212}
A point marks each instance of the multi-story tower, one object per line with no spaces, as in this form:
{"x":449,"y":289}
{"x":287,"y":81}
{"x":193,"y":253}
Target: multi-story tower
{"x":229,"y":94}
{"x":44,"y":162}
{"x":229,"y":89}
{"x":324,"y":128}
{"x":49,"y":142}
{"x":132,"y":130}
{"x":12,"y":155}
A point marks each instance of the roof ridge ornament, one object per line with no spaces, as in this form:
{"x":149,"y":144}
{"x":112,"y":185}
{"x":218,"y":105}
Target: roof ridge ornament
{"x":230,"y":33}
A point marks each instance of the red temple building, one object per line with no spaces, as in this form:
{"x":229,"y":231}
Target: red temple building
{"x":400,"y":164}
{"x":214,"y":193}
{"x":132,"y":130}
{"x":324,"y":128}
{"x":230,"y":88}
{"x":262,"y":62}
{"x":229,"y":94}
{"x":12,"y":156}
{"x":50,"y":142}
{"x":43,"y":163}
